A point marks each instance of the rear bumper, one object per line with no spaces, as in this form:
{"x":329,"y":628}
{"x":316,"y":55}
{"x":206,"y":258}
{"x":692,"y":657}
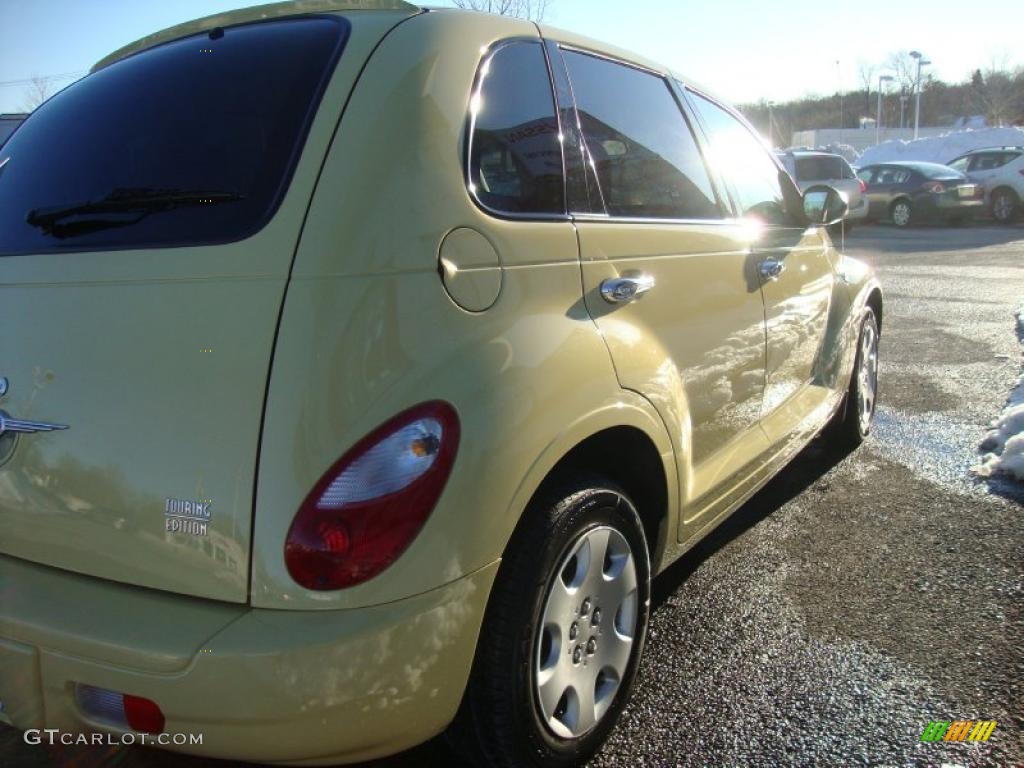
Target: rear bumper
{"x":945,"y":205}
{"x":270,"y":686}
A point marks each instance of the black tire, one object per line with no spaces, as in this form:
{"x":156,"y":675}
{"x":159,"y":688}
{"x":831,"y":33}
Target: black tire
{"x":848,"y":429}
{"x":500,"y":723}
{"x":896,"y":214}
{"x":1004,"y":206}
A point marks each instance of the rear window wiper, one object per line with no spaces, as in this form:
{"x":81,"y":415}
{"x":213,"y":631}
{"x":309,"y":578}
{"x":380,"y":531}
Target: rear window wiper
{"x":120,"y":208}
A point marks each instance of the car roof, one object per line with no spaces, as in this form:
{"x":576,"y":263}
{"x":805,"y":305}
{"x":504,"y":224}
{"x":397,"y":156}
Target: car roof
{"x":809,"y":153}
{"x":914,"y":165}
{"x":993,"y":149}
{"x":254,"y":13}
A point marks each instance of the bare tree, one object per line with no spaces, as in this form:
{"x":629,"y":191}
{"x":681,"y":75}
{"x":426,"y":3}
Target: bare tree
{"x":37,"y":92}
{"x":904,"y":70}
{"x":534,"y":10}
{"x":866,"y":76}
{"x":995,"y":94}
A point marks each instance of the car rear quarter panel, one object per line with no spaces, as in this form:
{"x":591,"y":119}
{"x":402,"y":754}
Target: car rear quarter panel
{"x":368,"y":330}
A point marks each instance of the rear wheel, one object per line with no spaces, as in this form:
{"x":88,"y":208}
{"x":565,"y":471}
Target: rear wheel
{"x":901,"y":213}
{"x":1005,"y":206}
{"x":853,"y":422}
{"x":563,"y":634}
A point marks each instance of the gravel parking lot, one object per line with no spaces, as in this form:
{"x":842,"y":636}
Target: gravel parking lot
{"x":858,"y":596}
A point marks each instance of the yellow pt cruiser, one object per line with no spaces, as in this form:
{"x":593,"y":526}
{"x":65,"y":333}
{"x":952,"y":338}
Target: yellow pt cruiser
{"x":361,"y":364}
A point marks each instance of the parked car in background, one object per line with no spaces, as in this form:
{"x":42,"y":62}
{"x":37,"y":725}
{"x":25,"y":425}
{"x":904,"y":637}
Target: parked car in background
{"x":1000,"y":170}
{"x":364,"y":398}
{"x":916,"y":192}
{"x":8,"y":122}
{"x":811,"y":167}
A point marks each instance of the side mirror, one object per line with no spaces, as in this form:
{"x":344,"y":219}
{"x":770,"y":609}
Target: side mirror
{"x":824,"y":206}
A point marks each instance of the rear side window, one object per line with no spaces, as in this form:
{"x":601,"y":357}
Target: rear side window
{"x":191,"y":142}
{"x":515,"y":156}
{"x":648,"y":164}
{"x":892,"y":175}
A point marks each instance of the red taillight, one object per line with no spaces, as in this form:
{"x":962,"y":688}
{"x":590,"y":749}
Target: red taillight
{"x":369,"y":506}
{"x":143,"y":715}
{"x":935,"y":187}
{"x":863,"y":185}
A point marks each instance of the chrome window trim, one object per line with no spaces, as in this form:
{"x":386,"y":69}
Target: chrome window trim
{"x":608,"y":57}
{"x":485,"y":60}
{"x":608,"y":219}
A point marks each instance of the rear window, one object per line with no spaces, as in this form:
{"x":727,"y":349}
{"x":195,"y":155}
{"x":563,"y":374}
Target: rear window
{"x":191,"y":142}
{"x":822,"y":168}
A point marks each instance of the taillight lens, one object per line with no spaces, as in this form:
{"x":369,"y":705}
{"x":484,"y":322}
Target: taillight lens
{"x":863,"y":185}
{"x":369,"y":506}
{"x":935,"y":187}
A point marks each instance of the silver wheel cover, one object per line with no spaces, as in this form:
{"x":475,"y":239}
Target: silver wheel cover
{"x":585,"y":638}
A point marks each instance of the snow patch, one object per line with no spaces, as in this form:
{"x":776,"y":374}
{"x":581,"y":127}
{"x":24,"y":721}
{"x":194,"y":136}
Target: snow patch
{"x":1004,"y":444}
{"x":941,"y":149}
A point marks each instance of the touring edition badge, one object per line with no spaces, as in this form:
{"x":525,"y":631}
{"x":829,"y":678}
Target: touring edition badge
{"x":191,"y":517}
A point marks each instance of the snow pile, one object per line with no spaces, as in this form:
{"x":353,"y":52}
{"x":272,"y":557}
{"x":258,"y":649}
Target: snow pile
{"x":942,"y":149}
{"x":1004,"y":445}
{"x":847,"y":152}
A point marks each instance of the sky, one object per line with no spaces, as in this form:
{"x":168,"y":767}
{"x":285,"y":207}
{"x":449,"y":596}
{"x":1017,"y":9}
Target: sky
{"x":744,"y":50}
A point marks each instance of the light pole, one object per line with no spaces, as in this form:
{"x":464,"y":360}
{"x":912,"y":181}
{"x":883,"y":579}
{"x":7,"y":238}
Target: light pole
{"x":903,"y":107}
{"x":878,"y":112}
{"x":839,"y":81}
{"x":921,"y":62}
{"x":771,"y":141}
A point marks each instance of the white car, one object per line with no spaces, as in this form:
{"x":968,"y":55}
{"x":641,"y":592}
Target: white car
{"x":1001,"y":171}
{"x":810,"y":167}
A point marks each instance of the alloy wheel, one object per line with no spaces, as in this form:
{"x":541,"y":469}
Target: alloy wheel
{"x":901,"y":214}
{"x":867,"y":377}
{"x":1003,"y":207}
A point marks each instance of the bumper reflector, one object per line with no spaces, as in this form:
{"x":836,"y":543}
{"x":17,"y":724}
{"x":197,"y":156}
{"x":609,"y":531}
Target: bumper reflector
{"x":120,"y":710}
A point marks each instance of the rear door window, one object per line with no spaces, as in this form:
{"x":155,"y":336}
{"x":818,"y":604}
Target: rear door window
{"x":647,"y":160}
{"x":191,"y":142}
{"x":515,"y":156}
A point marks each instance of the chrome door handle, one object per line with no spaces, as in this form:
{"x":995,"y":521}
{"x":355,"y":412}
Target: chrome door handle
{"x":770,"y":269}
{"x":620,"y":290}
